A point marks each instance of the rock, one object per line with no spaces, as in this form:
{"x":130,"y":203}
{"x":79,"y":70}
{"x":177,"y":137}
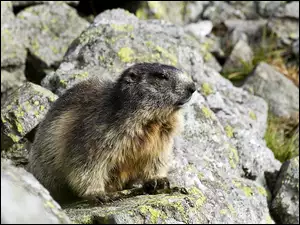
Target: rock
{"x":22,"y":112}
{"x":250,"y":30}
{"x":285,"y":205}
{"x":30,"y":3}
{"x":177,"y":12}
{"x":13,"y":52}
{"x":51,"y":28}
{"x":279,"y":91}
{"x":287,"y":30}
{"x":289,"y":10}
{"x":199,"y":29}
{"x":206,"y":159}
{"x":18,"y":153}
{"x":11,"y":80}
{"x":243,"y":117}
{"x":117,"y":40}
{"x":240,"y":56}
{"x":219,"y":11}
{"x":25,"y":200}
{"x":248,"y":8}
{"x":206,"y":169}
{"x":268,"y":8}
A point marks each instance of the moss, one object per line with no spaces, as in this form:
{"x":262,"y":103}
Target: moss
{"x":206,"y":111}
{"x":233,"y":157}
{"x":206,"y":89}
{"x":229,"y":131}
{"x":122,"y":27}
{"x":252,"y":115}
{"x":126,"y":54}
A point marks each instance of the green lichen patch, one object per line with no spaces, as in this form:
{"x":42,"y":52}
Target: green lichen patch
{"x":206,"y":112}
{"x":262,"y":191}
{"x":229,"y":131}
{"x":122,"y":27}
{"x":252,"y":115}
{"x":206,"y":89}
{"x":233,"y":157}
{"x":157,"y":8}
{"x":126,"y":54}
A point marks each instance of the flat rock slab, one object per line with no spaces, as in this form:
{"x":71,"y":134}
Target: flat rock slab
{"x":25,"y":200}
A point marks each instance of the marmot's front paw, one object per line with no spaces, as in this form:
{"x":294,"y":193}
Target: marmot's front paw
{"x":153,"y":185}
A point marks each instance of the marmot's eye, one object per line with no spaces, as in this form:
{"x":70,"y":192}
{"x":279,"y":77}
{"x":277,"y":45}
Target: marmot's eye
{"x":160,"y":76}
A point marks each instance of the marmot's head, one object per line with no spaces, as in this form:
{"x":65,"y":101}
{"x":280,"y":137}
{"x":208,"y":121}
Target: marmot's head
{"x":154,"y":85}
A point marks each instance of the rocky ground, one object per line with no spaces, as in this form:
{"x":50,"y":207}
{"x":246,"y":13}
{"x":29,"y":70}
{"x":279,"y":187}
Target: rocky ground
{"x":238,"y":155}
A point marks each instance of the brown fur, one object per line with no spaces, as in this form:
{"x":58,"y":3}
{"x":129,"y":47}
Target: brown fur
{"x":89,"y":145}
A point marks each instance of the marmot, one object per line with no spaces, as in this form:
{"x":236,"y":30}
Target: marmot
{"x":100,"y":136}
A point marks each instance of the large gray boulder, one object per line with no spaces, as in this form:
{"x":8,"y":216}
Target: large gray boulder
{"x":280,"y":92}
{"x":240,"y":56}
{"x":24,"y":200}
{"x":23,"y":111}
{"x":208,"y":157}
{"x":13,"y":52}
{"x":50,"y":28}
{"x":285,"y":204}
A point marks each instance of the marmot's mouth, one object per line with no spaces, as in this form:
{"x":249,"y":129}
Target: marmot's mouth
{"x":184,"y":101}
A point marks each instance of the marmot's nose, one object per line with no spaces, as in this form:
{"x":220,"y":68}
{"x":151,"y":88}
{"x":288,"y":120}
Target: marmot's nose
{"x":191,"y":88}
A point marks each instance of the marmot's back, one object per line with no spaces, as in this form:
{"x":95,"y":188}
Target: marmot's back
{"x":100,"y":136}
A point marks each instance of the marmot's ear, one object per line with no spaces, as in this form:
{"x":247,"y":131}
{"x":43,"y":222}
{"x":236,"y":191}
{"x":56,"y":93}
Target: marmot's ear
{"x":131,"y":77}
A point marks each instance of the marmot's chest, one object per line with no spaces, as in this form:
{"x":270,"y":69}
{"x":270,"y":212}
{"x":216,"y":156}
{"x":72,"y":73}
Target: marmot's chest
{"x":141,"y":155}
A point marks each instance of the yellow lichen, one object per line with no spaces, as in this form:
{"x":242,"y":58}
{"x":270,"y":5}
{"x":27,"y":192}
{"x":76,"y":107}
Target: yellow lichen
{"x":233,"y":157}
{"x":206,"y":89}
{"x":252,"y":115}
{"x":229,"y":131}
{"x":206,"y":111}
{"x":126,"y":54}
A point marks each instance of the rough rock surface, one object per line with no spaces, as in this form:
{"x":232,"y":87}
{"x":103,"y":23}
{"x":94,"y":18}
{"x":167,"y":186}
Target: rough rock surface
{"x":22,"y":112}
{"x":241,"y":54}
{"x":208,"y":156}
{"x":281,"y":93}
{"x":18,"y":153}
{"x":285,"y":28}
{"x":25,"y":200}
{"x":290,"y":10}
{"x":285,"y":205}
{"x":219,"y":11}
{"x":13,"y":52}
{"x":51,"y":28}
